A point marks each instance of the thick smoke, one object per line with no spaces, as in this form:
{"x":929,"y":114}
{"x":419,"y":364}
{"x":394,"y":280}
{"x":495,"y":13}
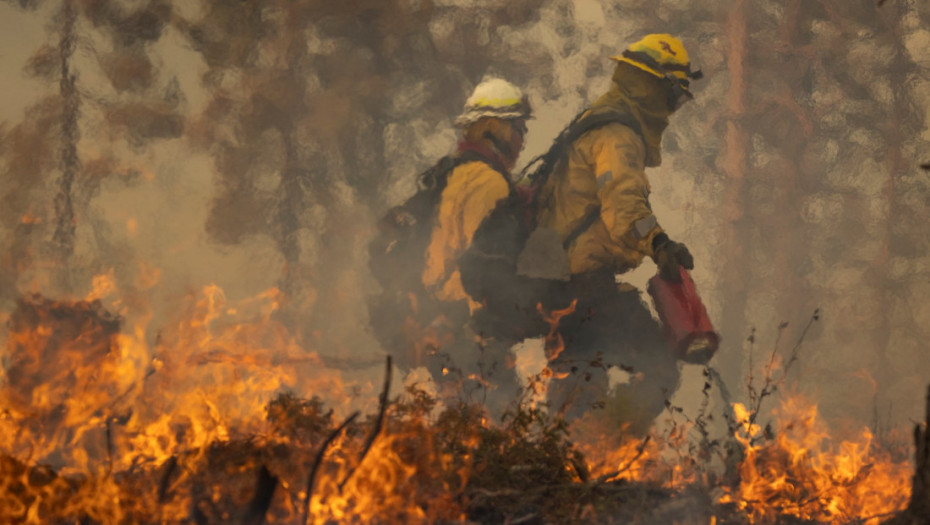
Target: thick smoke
{"x":254,"y":144}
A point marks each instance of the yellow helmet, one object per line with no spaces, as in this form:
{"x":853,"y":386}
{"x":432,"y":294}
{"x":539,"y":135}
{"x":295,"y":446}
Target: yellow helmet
{"x":661,"y":55}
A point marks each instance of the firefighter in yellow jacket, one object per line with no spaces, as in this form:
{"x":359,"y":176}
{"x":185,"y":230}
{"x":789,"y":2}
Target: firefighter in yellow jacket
{"x":493,"y":128}
{"x":597,"y":200}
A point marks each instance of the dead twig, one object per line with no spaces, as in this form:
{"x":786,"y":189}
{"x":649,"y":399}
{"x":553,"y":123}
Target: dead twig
{"x":379,"y":422}
{"x":733,"y":451}
{"x":771,"y":384}
{"x":523,"y":519}
{"x":319,"y":459}
{"x":639,"y":453}
{"x":497,"y":493}
{"x":109,"y":445}
{"x":752,"y":367}
{"x":701,"y":420}
{"x":797,"y":346}
{"x":170,"y":467}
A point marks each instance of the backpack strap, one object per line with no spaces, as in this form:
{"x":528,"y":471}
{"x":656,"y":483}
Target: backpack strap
{"x":581,"y":124}
{"x":436,"y":177}
{"x":471,"y":155}
{"x":588,"y":221}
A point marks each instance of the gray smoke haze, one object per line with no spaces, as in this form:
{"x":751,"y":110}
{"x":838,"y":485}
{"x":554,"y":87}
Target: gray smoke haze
{"x":254,"y":144}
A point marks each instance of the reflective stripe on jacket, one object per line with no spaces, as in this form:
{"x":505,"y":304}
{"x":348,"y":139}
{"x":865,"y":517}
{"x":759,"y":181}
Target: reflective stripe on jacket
{"x":604,"y":167}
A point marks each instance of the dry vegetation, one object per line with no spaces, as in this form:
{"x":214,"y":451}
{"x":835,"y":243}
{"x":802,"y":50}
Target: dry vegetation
{"x":415,"y":460}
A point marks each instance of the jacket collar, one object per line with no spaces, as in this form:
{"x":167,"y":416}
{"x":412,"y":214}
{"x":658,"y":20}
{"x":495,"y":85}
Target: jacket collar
{"x":487,"y":153}
{"x":644,"y":97}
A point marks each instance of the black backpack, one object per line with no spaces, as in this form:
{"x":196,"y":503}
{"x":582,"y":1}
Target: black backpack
{"x":404,"y":314}
{"x":489,"y":268}
{"x":404,"y":231}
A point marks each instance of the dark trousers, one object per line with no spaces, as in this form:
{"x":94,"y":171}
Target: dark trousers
{"x":611,"y":327}
{"x":476,"y":369}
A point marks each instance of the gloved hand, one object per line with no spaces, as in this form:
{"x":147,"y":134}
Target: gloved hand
{"x":669,"y":255}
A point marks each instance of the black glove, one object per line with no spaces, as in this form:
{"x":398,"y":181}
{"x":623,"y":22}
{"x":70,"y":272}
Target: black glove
{"x":669,"y":255}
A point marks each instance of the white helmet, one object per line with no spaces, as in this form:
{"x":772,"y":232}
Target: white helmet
{"x":494,"y":98}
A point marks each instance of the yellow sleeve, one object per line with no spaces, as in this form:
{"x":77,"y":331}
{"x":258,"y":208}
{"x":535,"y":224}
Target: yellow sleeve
{"x":488,"y":188}
{"x":473,"y":191}
{"x":618,"y":157}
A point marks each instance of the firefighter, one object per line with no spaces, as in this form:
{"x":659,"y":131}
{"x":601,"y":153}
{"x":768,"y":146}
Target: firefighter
{"x":597,"y":200}
{"x":493,"y":125}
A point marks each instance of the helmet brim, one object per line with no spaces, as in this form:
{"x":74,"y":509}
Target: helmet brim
{"x":680,"y":75}
{"x":470,"y":117}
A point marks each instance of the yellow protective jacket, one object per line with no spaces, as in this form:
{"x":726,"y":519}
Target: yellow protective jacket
{"x":605,"y":167}
{"x":472,"y":192}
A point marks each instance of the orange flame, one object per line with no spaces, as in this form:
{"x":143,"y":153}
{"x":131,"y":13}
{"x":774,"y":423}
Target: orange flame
{"x":801,"y":474}
{"x":86,"y":393}
{"x":554,"y":343}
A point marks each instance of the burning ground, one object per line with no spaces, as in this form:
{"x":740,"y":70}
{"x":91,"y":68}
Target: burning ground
{"x":204,"y":431}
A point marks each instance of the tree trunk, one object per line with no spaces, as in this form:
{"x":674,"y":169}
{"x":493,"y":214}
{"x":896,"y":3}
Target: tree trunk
{"x":920,"y":495}
{"x":787,"y":235}
{"x":64,"y":207}
{"x":895,"y":130}
{"x":734,"y":166}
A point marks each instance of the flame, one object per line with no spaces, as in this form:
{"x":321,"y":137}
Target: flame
{"x":661,"y":458}
{"x":102,"y":423}
{"x":103,"y":286}
{"x":554,"y":343}
{"x":86,"y":394}
{"x":800,"y":473}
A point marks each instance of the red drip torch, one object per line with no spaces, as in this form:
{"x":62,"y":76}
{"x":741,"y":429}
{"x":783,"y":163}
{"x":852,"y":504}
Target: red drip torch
{"x":684,"y":318}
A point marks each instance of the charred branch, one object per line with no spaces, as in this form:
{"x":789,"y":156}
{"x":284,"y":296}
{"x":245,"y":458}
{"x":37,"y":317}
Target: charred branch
{"x":920,"y":495}
{"x":634,"y":459}
{"x":318,"y":460}
{"x":918,"y":509}
{"x":379,"y":422}
{"x":170,"y":466}
{"x":261,"y":501}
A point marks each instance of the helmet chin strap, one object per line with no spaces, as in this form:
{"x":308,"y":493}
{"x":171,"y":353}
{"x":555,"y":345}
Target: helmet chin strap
{"x":499,"y":144}
{"x":677,"y":94}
